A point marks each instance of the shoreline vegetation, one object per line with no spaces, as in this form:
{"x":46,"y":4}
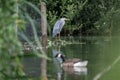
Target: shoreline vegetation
{"x":21,"y":20}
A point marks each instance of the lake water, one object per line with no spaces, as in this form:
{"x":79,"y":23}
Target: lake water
{"x":102,"y":53}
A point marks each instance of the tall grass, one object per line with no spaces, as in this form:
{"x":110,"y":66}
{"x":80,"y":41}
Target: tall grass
{"x":10,"y":46}
{"x":13,"y":18}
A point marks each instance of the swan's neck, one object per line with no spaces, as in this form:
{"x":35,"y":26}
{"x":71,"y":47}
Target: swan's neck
{"x":63,"y":58}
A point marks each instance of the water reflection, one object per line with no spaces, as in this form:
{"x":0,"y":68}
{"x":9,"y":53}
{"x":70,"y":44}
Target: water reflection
{"x":57,"y":67}
{"x":60,"y":71}
{"x":100,"y":74}
{"x":102,"y":53}
{"x":31,"y":66}
{"x":76,"y":70}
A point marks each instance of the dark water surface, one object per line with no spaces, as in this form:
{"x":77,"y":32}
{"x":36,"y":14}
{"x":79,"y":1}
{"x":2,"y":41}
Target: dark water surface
{"x":102,"y":53}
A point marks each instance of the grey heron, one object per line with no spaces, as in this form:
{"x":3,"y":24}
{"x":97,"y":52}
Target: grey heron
{"x":58,"y":26}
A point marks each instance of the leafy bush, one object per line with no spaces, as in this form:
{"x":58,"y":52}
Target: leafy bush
{"x":10,"y":46}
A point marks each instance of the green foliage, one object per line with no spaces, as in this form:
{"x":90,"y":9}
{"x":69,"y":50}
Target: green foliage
{"x":109,"y":20}
{"x":13,"y":16}
{"x":10,"y":46}
{"x":63,"y":8}
{"x":86,"y":16}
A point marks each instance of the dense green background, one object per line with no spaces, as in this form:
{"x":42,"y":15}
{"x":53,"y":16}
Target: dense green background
{"x":92,"y":17}
{"x":87,"y":17}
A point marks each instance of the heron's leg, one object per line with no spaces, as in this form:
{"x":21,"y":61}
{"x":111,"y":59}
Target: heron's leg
{"x":59,"y":36}
{"x":59,"y":48}
{"x":56,"y":38}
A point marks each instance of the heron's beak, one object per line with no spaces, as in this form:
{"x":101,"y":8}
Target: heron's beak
{"x":67,"y":19}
